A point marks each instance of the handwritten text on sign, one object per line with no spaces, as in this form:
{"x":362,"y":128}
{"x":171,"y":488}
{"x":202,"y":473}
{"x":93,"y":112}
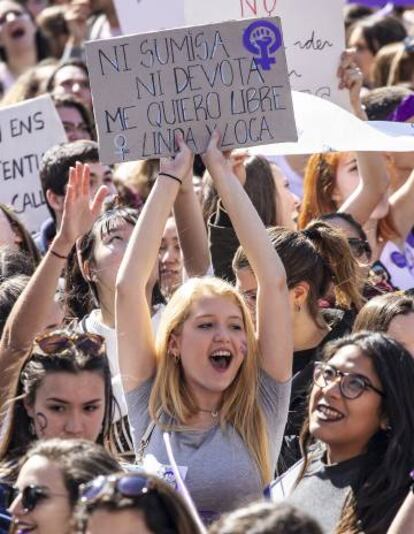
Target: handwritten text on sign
{"x":314,"y":34}
{"x":27,"y":130}
{"x":230,"y":76}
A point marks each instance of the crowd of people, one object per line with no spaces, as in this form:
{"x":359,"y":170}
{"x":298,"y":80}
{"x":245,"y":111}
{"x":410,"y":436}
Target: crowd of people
{"x":217,"y":343}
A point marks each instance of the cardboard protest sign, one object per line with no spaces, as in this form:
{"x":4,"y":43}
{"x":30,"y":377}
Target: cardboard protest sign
{"x":337,"y":130}
{"x":230,"y":76}
{"x":314,"y":33}
{"x":27,"y":130}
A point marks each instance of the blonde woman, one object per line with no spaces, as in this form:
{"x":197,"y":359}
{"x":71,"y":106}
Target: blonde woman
{"x":221,"y":389}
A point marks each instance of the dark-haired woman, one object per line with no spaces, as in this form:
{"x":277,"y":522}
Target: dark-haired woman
{"x":370,"y":34}
{"x":22,"y":45}
{"x":133,"y":502}
{"x":358,"y":439}
{"x":50,"y":477}
{"x":29,"y":371}
{"x":317,"y":260}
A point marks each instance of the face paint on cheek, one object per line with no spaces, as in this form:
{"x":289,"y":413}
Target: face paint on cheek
{"x":42,"y":422}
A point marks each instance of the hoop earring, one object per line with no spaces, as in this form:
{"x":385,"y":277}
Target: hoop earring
{"x":176,"y":359}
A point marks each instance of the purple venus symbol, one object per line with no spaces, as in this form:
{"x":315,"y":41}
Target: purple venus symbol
{"x":262,"y":38}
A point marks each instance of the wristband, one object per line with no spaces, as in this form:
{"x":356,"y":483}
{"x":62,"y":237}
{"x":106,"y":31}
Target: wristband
{"x":171,"y":176}
{"x":58,"y":255}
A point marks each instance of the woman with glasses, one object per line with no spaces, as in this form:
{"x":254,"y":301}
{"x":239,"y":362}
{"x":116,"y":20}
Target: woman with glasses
{"x":374,"y":279}
{"x":133,"y":502}
{"x":357,"y":441}
{"x":47,"y":488}
{"x":22,"y":45}
{"x":221,"y":392}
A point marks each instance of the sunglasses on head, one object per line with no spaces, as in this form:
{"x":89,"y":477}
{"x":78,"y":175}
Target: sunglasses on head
{"x":59,"y":342}
{"x":351,"y":385}
{"x":31,"y":496}
{"x":360,"y":247}
{"x":131,"y":486}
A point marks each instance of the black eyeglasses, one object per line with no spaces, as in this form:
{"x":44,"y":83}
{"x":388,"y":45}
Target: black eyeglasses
{"x":351,"y":385}
{"x":59,"y":342}
{"x":32,"y":495}
{"x":132,"y":485}
{"x":360,"y":247}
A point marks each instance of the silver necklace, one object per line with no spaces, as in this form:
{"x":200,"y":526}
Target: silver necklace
{"x":213,"y":413}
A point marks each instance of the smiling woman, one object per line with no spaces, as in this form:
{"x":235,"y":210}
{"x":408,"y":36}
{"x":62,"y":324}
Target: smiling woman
{"x":47,"y":487}
{"x":361,"y":419}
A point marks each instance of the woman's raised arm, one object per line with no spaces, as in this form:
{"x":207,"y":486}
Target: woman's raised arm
{"x":274,"y":329}
{"x":31,"y":310}
{"x":136,"y":347}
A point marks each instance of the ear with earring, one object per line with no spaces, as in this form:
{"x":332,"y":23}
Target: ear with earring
{"x":298,"y":307}
{"x":175,"y":357}
{"x":32,"y":429}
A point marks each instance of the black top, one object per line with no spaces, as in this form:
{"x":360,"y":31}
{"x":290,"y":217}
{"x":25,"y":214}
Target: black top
{"x":323,"y":490}
{"x":340,"y":323}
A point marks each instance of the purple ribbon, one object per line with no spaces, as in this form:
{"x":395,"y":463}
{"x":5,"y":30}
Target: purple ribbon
{"x":404,"y":111}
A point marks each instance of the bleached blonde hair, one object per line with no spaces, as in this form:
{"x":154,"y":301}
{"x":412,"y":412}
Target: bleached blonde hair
{"x":240,"y":407}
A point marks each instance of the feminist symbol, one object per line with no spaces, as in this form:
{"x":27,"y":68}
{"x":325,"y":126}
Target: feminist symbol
{"x":121,"y":146}
{"x":262,"y":38}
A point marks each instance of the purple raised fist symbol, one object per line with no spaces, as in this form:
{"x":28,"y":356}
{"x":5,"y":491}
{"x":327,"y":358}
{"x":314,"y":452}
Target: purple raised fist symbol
{"x":262,"y":38}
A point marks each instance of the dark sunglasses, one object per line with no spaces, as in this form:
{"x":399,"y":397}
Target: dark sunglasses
{"x":133,"y":485}
{"x":32,"y":495}
{"x":351,"y":385}
{"x":55,"y":343}
{"x":360,"y":247}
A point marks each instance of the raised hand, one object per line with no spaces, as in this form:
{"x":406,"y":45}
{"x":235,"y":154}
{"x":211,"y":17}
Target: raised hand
{"x":217,"y":162}
{"x":182,"y":164}
{"x":351,"y":78}
{"x":79,"y":211}
{"x":76,"y":16}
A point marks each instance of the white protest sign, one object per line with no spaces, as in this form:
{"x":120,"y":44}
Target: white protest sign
{"x":325,"y":127}
{"x":27,"y":130}
{"x":231,"y":76}
{"x":140,"y":16}
{"x":314,"y":32}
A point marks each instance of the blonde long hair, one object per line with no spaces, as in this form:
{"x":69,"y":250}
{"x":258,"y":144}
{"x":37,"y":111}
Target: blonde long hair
{"x":240,"y":408}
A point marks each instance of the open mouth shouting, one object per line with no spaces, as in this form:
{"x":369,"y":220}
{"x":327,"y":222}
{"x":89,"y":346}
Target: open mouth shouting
{"x":221,"y":360}
{"x":17,"y":32}
{"x":328,"y":413}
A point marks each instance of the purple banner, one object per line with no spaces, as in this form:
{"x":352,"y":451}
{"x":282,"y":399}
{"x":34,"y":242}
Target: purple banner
{"x":381,"y":3}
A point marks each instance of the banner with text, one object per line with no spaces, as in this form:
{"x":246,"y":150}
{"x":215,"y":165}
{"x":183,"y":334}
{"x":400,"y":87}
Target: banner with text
{"x":231,"y":76}
{"x":27,"y":130}
{"x":314,"y":33}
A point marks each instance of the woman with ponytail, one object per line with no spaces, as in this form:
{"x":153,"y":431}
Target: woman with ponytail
{"x":316,"y":261}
